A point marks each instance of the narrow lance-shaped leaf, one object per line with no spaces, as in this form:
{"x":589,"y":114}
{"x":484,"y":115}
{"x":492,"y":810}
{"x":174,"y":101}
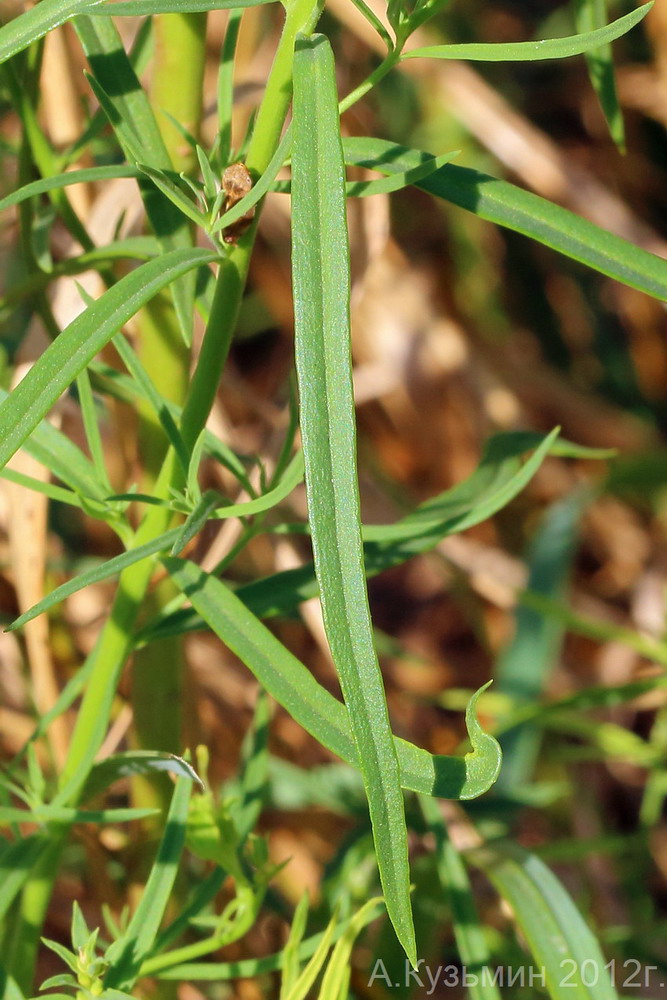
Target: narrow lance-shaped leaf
{"x":125,"y":103}
{"x":499,"y":477}
{"x":81,"y":340}
{"x":36,"y":22}
{"x":111,"y":567}
{"x":549,"y":48}
{"x":524,"y":212}
{"x":321,"y":281}
{"x":292,"y":685}
{"x":524,"y":666}
{"x":121,"y":765}
{"x":127,"y":953}
{"x":591,"y":14}
{"x":564,"y":948}
{"x":468,"y":930}
{"x":134,"y":8}
{"x":89,"y":175}
{"x":63,"y":458}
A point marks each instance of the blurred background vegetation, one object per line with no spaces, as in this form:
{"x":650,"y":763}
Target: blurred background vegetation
{"x":461,"y":330}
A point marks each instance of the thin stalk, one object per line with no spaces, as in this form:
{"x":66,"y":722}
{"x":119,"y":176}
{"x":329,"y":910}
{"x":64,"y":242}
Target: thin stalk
{"x":115,"y":643}
{"x":157,"y":670}
{"x":374,"y":78}
{"x":180,"y":55}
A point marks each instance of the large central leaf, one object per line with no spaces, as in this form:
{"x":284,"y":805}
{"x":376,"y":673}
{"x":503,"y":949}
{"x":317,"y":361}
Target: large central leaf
{"x":321,"y":281}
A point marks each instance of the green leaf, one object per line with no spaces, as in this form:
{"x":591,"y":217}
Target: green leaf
{"x":499,"y":477}
{"x":47,"y":489}
{"x":254,"y":769}
{"x":128,"y":389}
{"x":192,"y":476}
{"x":552,"y":48}
{"x":36,"y":22}
{"x":134,"y":8}
{"x":81,"y":340}
{"x":67,"y":815}
{"x":363,"y":189}
{"x":468,"y":931}
{"x":208,"y":177}
{"x":62,"y":457}
{"x":590,"y":14}
{"x":109,"y":568}
{"x":321,"y":282}
{"x":245,"y":968}
{"x":134,"y":247}
{"x":121,"y":765}
{"x":290,"y":965}
{"x":80,"y":932}
{"x":176,"y":196}
{"x":559,"y":939}
{"x":225,"y":88}
{"x":16,"y":861}
{"x":91,"y":427}
{"x":303,"y":983}
{"x":207,"y":506}
{"x":525,"y":665}
{"x":510,"y":206}
{"x":336,"y":977}
{"x":598,"y":630}
{"x":468,"y":504}
{"x":90,"y":175}
{"x":67,"y":956}
{"x":129,"y":111}
{"x":129,"y":951}
{"x":292,"y":685}
{"x":148,"y":390}
{"x":196,"y":519}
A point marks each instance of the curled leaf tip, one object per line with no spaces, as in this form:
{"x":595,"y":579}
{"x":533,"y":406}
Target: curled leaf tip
{"x":484,"y":760}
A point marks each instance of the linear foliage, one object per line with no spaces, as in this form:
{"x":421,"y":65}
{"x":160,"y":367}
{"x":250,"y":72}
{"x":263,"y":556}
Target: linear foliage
{"x":320,"y":268}
{"x":207,"y":882}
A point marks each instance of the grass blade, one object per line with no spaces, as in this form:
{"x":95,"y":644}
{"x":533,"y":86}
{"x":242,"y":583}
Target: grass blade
{"x":321,"y":281}
{"x":468,"y":931}
{"x":90,"y":175}
{"x":225,"y":89}
{"x":591,"y":14}
{"x":63,"y":458}
{"x":36,"y":22}
{"x":134,"y":8}
{"x":81,"y":340}
{"x":507,"y":205}
{"x":67,"y":815}
{"x":562,"y":944}
{"x":551,"y":48}
{"x":527,"y":661}
{"x":128,"y":952}
{"x":16,"y":861}
{"x":111,"y":567}
{"x":120,"y":765}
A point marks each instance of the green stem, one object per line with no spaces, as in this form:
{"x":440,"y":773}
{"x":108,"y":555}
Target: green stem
{"x":115,"y":643}
{"x":374,"y":78}
{"x":180,"y":57}
{"x":157,"y":669}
